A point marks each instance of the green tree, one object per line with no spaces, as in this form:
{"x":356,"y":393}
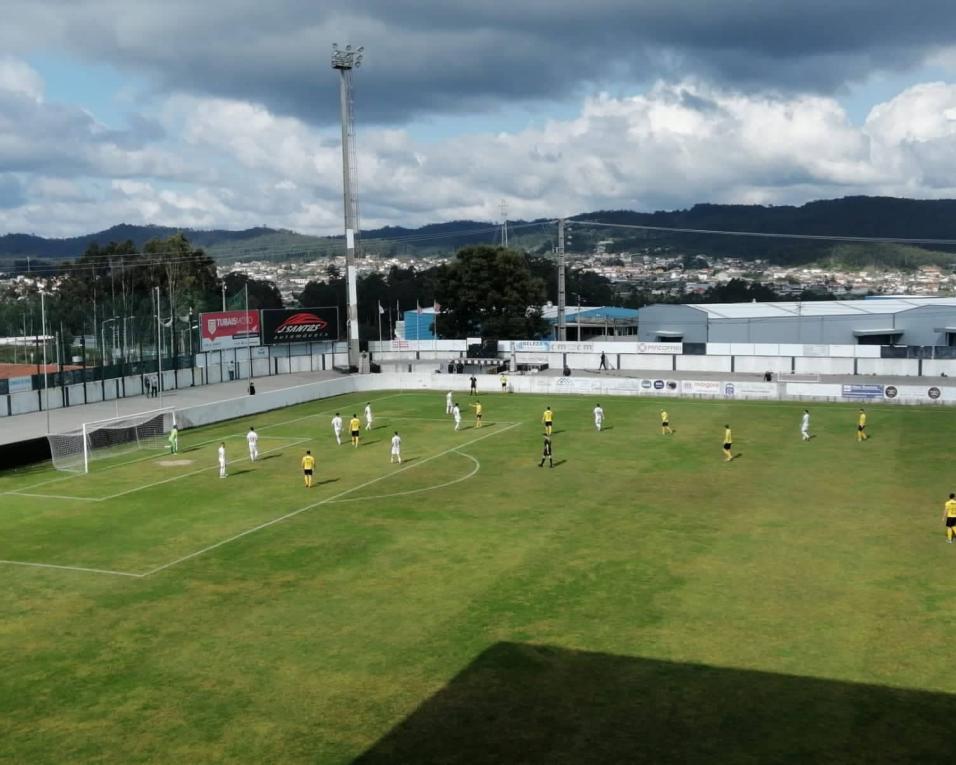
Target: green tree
{"x":262,"y":292}
{"x":491,"y":292}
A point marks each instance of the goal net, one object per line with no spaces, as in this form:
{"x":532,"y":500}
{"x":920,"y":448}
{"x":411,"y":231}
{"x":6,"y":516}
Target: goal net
{"x":75,"y":449}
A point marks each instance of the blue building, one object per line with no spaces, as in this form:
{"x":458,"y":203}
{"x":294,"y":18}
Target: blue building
{"x":584,"y":322}
{"x":420,"y":326}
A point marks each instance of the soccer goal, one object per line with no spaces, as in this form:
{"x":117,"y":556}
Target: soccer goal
{"x":74,"y":450}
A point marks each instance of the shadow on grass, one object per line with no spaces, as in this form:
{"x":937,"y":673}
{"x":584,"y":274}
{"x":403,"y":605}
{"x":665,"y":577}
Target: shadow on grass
{"x":559,"y":463}
{"x":270,"y":456}
{"x":538,"y":704}
{"x":239,"y":472}
{"x":322,"y":483}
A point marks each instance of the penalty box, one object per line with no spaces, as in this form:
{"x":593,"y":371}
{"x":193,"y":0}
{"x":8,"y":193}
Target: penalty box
{"x":113,"y":481}
{"x":168,"y":531}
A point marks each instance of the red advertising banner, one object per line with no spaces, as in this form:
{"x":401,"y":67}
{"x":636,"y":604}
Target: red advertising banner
{"x":228,"y":329}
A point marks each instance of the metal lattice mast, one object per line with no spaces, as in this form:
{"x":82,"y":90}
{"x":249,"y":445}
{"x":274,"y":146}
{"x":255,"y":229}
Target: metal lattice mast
{"x":562,"y":328}
{"x":344,"y":61}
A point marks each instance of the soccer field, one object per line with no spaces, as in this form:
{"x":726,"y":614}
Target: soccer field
{"x":642,"y":601}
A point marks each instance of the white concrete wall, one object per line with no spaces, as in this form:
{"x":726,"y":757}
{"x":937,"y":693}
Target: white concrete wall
{"x":703,"y":363}
{"x":937,"y":367}
{"x":895,"y":367}
{"x":761,"y":364}
{"x":823,"y":366}
{"x":646,"y":361}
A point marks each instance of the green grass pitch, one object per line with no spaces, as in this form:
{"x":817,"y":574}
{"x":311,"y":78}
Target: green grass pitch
{"x":642,"y":601}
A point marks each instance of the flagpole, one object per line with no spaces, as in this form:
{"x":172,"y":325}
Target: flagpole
{"x":380,"y":312}
{"x":248,"y":344}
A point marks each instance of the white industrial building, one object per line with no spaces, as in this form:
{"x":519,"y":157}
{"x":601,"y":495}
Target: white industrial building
{"x":889,"y":321}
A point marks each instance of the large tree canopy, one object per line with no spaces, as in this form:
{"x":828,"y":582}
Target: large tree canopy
{"x":262,"y":292}
{"x":490,"y":292}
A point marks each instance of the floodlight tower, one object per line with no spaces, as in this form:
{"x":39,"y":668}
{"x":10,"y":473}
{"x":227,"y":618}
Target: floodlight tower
{"x":345,"y":61}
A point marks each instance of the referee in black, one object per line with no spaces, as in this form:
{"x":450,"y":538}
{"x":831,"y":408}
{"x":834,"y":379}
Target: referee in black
{"x":546,"y":452}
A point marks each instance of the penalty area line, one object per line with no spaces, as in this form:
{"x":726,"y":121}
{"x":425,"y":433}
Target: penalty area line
{"x":319,"y":503}
{"x":84,"y":569}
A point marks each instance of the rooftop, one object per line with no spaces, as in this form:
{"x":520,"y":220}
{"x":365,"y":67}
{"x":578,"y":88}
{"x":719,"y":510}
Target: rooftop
{"x":819,"y":308}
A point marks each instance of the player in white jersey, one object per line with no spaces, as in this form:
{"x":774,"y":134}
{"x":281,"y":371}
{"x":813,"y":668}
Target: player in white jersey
{"x":337,"y":428}
{"x":253,"y":439}
{"x":222,"y":460}
{"x":805,"y":425}
{"x":449,"y":403}
{"x":368,"y":416}
{"x":397,"y":448}
{"x":598,"y":417}
{"x":456,"y":413}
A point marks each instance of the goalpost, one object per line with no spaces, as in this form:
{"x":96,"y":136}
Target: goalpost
{"x":73,"y":450}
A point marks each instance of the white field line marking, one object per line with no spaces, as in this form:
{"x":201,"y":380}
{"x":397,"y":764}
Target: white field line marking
{"x":288,"y":439}
{"x":146,"y":458}
{"x":291,"y":442}
{"x":71,"y":568}
{"x":51,"y":496}
{"x":474,"y":470}
{"x":196,"y":445}
{"x":313,"y":505}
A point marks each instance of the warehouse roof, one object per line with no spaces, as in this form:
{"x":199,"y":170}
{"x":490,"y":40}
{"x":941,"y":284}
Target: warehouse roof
{"x":818,"y":308}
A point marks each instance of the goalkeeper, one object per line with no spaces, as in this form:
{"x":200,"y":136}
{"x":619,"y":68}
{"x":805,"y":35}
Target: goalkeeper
{"x":174,"y":440}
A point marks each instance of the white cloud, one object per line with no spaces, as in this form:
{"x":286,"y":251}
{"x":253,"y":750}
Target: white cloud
{"x":19,"y":77}
{"x":219,"y":162}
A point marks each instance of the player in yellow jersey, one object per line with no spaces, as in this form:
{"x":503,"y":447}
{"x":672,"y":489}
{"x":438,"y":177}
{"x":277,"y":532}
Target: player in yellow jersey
{"x":478,"y":409}
{"x":728,"y":444}
{"x":355,"y":428}
{"x":949,"y":517}
{"x":666,"y":429}
{"x":861,"y":427}
{"x":548,"y":419}
{"x":308,"y":465}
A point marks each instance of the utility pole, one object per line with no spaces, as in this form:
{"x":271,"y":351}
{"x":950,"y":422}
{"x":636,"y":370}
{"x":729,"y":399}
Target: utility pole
{"x":46,"y":382}
{"x":562,"y":299}
{"x":504,"y":223}
{"x":159,"y":346}
{"x":344,"y":61}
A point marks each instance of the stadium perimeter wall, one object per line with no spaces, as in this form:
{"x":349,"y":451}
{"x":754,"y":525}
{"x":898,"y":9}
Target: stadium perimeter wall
{"x":648,"y":359}
{"x":729,"y":390}
{"x":37,"y":449}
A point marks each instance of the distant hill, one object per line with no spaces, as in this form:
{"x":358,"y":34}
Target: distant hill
{"x":850,"y":216}
{"x":883,"y":217}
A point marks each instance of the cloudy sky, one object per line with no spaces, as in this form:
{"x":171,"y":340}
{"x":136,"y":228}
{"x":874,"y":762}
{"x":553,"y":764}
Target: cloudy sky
{"x":224,"y":113}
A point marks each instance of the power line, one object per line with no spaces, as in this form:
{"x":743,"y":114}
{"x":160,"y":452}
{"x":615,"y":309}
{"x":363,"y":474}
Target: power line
{"x":770,"y":235}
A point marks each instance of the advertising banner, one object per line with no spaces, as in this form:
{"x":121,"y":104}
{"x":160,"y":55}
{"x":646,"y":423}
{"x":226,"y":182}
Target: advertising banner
{"x":531,"y":346}
{"x":300,"y":325}
{"x":221,"y":330}
{"x":922,"y":393}
{"x":744,"y":389}
{"x":660,"y":348}
{"x":20,"y":384}
{"x":700,"y":387}
{"x":867,"y":390}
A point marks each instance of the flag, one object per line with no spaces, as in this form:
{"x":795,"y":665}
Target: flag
{"x":380,"y":309}
{"x":437,"y":307}
{"x":418,"y":308}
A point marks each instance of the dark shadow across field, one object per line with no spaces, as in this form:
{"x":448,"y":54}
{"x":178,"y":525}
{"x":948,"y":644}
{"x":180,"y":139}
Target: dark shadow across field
{"x":519,"y":703}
